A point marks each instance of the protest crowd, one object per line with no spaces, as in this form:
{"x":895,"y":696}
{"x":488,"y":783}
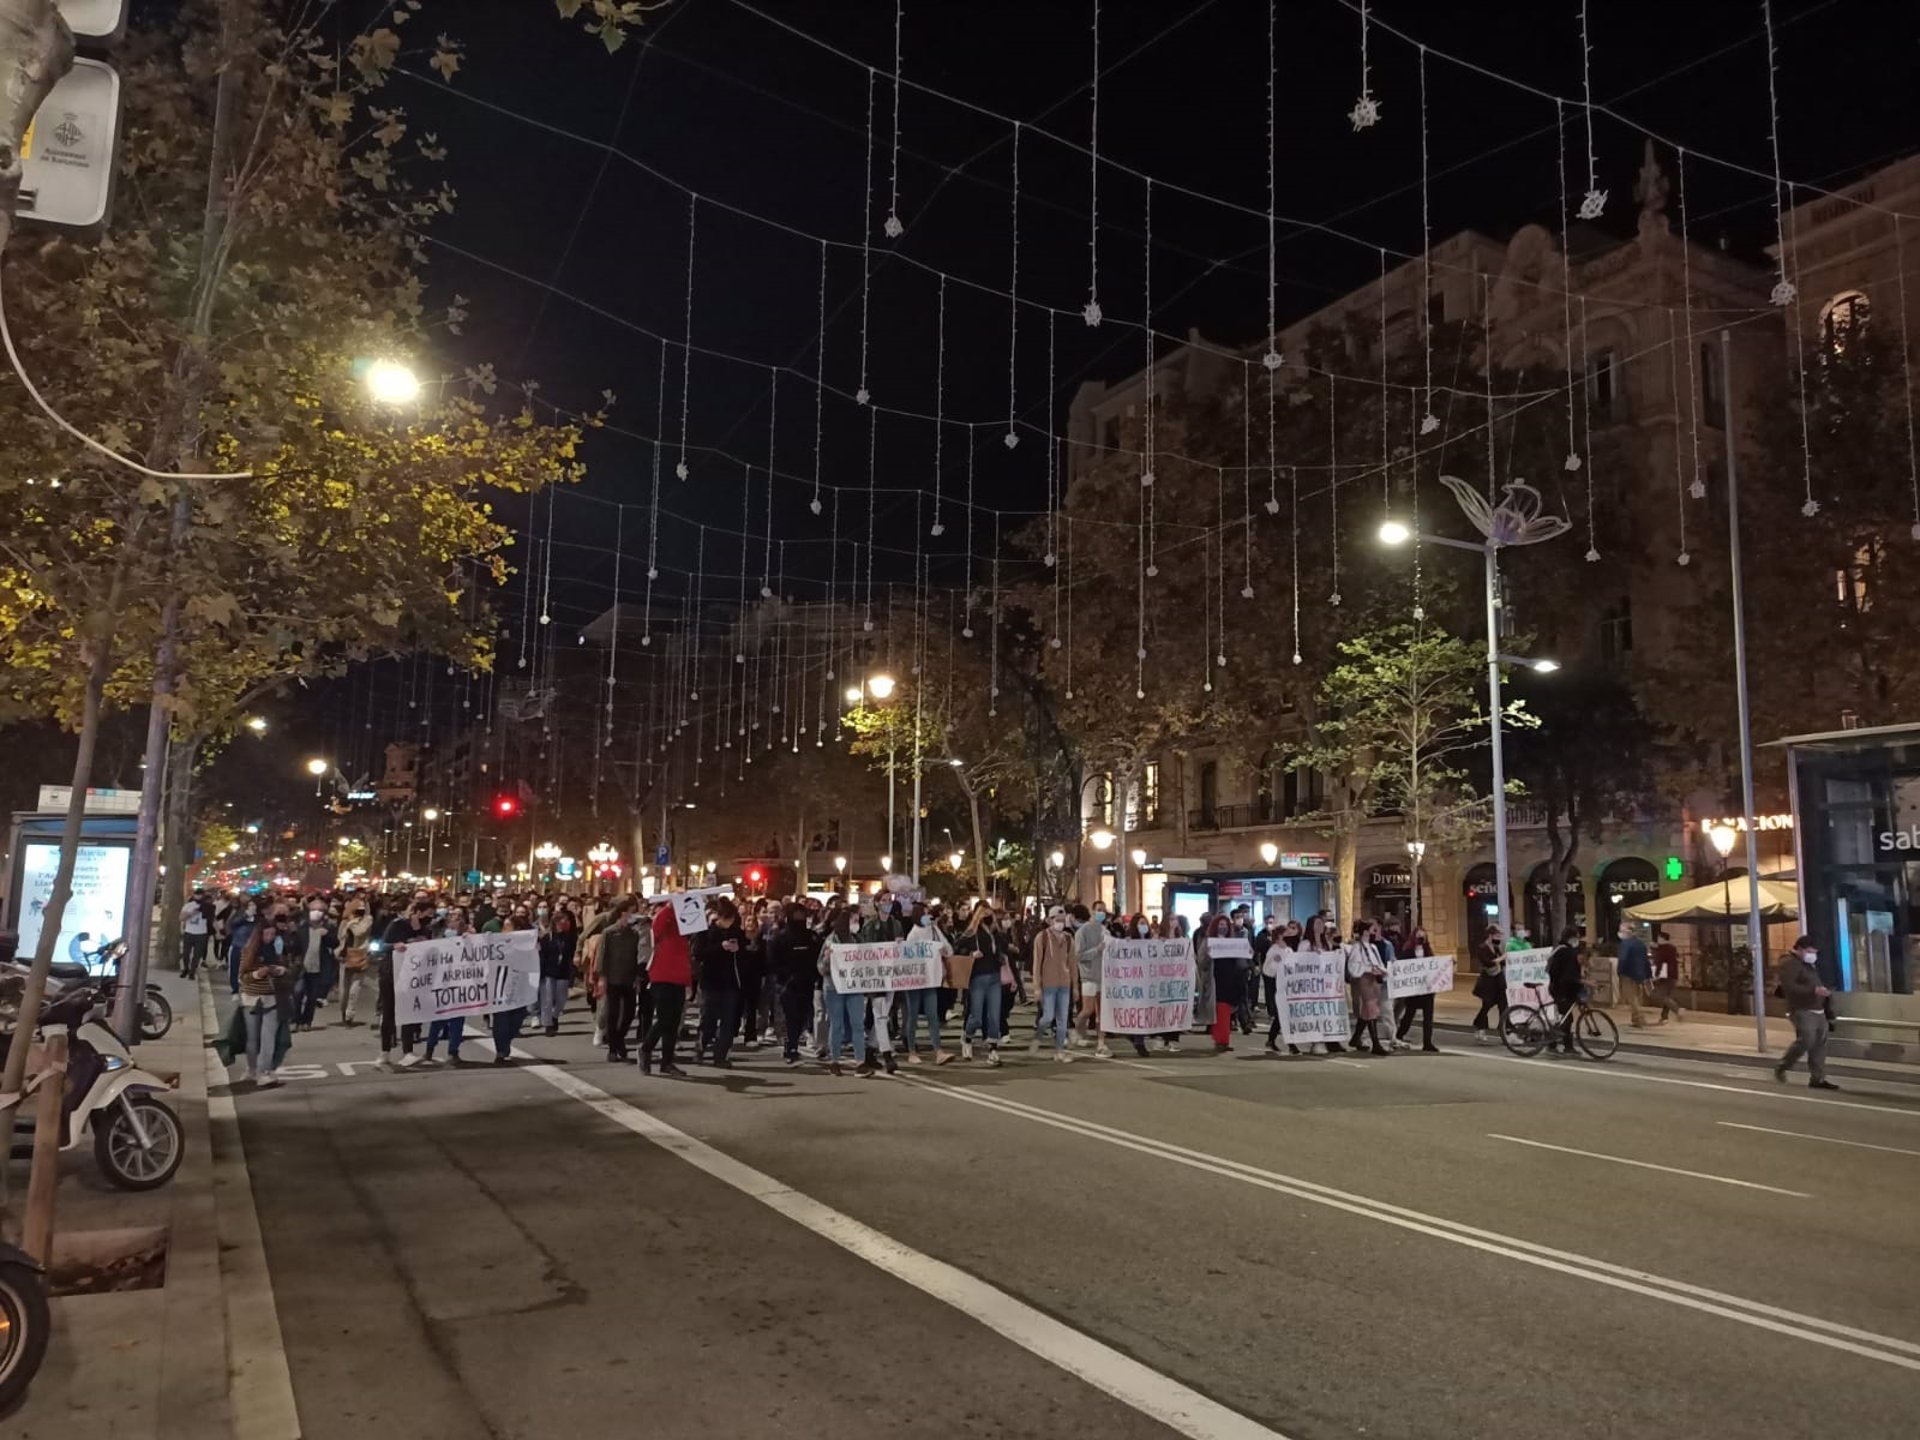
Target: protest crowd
{"x":865,"y":984}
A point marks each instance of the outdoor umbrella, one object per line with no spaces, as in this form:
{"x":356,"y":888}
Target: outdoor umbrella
{"x":1721,"y":902}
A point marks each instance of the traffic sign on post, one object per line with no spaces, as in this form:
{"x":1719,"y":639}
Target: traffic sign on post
{"x":67,"y":152}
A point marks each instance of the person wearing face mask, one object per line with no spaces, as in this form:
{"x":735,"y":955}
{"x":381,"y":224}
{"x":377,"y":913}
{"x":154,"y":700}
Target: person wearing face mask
{"x":419,"y":923}
{"x":240,"y":928}
{"x":350,"y":944}
{"x":1408,"y":1007}
{"x":669,"y":974}
{"x":793,"y":960}
{"x":453,"y":1030}
{"x":1055,"y":975}
{"x":266,"y":990}
{"x":1089,"y":945}
{"x":1635,"y":970}
{"x":846,"y":1014}
{"x":1269,"y":948}
{"x":925,"y":1001}
{"x":314,"y":944}
{"x":557,"y":935}
{"x":620,"y":975}
{"x":1806,"y":1001}
{"x":716,"y":961}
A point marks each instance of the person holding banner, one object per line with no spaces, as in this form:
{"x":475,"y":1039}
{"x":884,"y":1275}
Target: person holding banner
{"x":926,"y":1001}
{"x":416,"y":924}
{"x":1089,"y":942}
{"x":1417,"y":947}
{"x":846,"y":1014}
{"x":1366,"y":976}
{"x":668,"y":977}
{"x":1222,"y":960}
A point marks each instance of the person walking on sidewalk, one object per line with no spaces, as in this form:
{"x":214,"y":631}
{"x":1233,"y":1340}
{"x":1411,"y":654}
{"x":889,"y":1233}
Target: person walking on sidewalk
{"x":1490,"y":988}
{"x":265,"y":993}
{"x":1635,"y":971}
{"x":196,"y":925}
{"x":1666,"y":975}
{"x":1807,"y":1004}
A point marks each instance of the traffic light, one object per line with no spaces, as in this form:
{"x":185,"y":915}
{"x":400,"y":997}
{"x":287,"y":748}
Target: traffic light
{"x":755,"y":876}
{"x":506,"y":807}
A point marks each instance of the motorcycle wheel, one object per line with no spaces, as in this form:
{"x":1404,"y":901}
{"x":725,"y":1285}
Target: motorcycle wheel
{"x":117,"y":1149}
{"x":25,"y":1323}
{"x":156,"y":1016}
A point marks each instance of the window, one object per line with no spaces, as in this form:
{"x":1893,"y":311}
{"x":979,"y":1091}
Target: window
{"x":1110,"y":433}
{"x":1843,"y":317}
{"x":1616,"y":631}
{"x":1102,"y":810}
{"x":1713,"y":400}
{"x":1603,"y":379}
{"x":1150,"y":794}
{"x":1209,"y":792}
{"x":1304,"y":793}
{"x":1853,"y":583}
{"x":1436,"y":309}
{"x":1272,"y":786}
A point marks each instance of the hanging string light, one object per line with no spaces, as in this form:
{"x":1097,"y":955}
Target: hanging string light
{"x":893,"y":227}
{"x":1053,"y":460}
{"x":873,"y":444}
{"x":1066,"y":524}
{"x":1906,"y":372}
{"x":686,"y":350}
{"x":1246,"y":478}
{"x":1090,"y":312}
{"x":1593,"y":539}
{"x":1273,"y":473}
{"x":819,"y":388}
{"x":746,"y":537}
{"x":1272,"y":358}
{"x":1146,"y":329}
{"x":862,"y":395}
{"x":993,"y":625}
{"x":1698,"y":488}
{"x":1595,"y":203}
{"x":1140,"y":605}
{"x":1785,"y":292}
{"x":1293,"y":479}
{"x":1429,"y":422}
{"x":613,"y":638}
{"x":1572,"y":462}
{"x":1812,"y":506}
{"x":653,"y":501}
{"x":966,"y":590}
{"x":1413,"y":486}
{"x":939,"y":409}
{"x":1366,"y":110}
{"x":1679,"y":452}
{"x":1011,"y":438}
{"x":1220,"y":529}
{"x":773,"y":417}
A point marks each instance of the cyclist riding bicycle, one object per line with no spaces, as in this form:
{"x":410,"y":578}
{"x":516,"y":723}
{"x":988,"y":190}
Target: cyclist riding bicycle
{"x":1565,"y":985}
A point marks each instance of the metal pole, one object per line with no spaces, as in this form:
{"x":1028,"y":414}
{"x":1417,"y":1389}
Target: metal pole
{"x":1499,"y":752}
{"x":1756,"y":935}
{"x":917,"y":766}
{"x":893,"y":785}
{"x":430,"y":849}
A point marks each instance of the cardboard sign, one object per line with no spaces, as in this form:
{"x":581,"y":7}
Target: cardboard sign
{"x":1420,"y":975}
{"x":1526,"y":977}
{"x":1313,"y":996}
{"x":690,"y":907}
{"x":881,"y":967}
{"x":465,"y":975}
{"x":1146,"y":986}
{"x":1228,"y":947}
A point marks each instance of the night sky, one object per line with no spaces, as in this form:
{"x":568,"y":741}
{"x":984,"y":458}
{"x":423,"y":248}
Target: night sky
{"x":715,"y":96}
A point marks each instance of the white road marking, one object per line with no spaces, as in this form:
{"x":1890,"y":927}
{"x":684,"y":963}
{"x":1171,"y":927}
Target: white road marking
{"x":1824,"y":1139}
{"x":1157,"y":1396}
{"x":1350,"y":1064}
{"x":1649,"y":1165}
{"x":1132,"y":1064}
{"x":1888,"y":1349}
{"x":260,"y":1387}
{"x":1605,"y":1072}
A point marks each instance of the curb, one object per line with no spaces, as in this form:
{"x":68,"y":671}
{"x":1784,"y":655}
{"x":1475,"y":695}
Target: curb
{"x":1749,"y":1060}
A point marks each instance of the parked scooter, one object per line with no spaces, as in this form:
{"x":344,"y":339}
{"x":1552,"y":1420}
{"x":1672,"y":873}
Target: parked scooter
{"x":26,"y":1321}
{"x":137,"y":1139}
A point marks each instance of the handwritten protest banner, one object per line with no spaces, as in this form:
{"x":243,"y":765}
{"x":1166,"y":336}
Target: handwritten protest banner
{"x":1420,"y":975}
{"x":1313,"y":996}
{"x":690,"y":907}
{"x":1527,"y":969}
{"x":880,"y":967}
{"x":464,"y":975}
{"x":1146,"y":986}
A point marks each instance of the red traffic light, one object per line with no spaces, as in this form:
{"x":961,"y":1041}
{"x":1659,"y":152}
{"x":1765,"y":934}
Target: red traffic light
{"x":506,"y":806}
{"x":313,"y":854}
{"x":754,"y":876}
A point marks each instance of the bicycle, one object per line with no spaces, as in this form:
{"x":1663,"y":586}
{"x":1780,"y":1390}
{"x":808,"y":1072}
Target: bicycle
{"x":1529,"y":1029}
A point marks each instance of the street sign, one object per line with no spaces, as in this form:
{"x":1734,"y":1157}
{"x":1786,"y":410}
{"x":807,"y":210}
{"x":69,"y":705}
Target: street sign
{"x":100,"y":21}
{"x":67,"y":152}
{"x":474,"y":879}
{"x":662,"y":858}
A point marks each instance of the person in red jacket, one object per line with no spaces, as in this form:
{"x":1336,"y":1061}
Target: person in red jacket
{"x":668,"y":977}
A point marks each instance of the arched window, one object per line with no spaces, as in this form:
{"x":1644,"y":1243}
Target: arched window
{"x":1843,"y":317}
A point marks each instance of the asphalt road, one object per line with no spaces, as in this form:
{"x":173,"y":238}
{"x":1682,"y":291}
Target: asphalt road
{"x":1220,"y":1247}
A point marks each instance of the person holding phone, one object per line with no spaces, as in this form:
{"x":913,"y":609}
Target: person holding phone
{"x":264,"y":993}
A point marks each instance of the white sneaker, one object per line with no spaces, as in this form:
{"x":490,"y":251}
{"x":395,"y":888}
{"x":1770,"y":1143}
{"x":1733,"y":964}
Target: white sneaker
{"x":384,"y":1065}
{"x":1485,"y":1037}
{"x":253,"y":1075}
{"x":409,"y":1060}
{"x":993,"y":1055}
{"x":599,"y":1038}
{"x":269,"y":1079}
{"x":1101,"y":1052}
{"x":1061,"y":1057}
{"x":1173,"y":1047}
{"x":966,"y":1049}
{"x":429,"y":1062}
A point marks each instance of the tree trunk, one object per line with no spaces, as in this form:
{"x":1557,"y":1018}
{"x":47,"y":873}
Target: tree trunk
{"x":99,"y":666}
{"x":800,"y":853}
{"x":979,"y":844}
{"x":176,"y":855}
{"x":36,"y":49}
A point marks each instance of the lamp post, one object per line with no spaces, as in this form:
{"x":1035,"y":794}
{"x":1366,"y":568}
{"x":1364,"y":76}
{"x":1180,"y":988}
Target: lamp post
{"x":430,"y":815}
{"x":881,"y":687}
{"x":318,"y":768}
{"x":840,"y":868}
{"x":546,"y":853}
{"x":1723,"y":839}
{"x":1516,"y":520}
{"x":1269,"y":852}
{"x":1416,"y":852}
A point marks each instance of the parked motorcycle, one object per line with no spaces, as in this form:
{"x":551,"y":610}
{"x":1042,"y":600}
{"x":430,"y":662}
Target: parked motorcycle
{"x":105,"y":963}
{"x":26,"y":1321}
{"x":138,"y":1141}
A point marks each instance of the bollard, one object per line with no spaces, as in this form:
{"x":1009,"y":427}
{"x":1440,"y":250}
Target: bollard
{"x":44,"y":1177}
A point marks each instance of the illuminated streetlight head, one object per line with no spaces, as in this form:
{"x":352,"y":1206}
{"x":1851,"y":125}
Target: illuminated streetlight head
{"x":1269,"y":852}
{"x":1139,"y":857}
{"x":1101,"y":839}
{"x":956,"y":859}
{"x":853,"y":694}
{"x":317,"y":768}
{"x":257,"y":724}
{"x":430,"y":814}
{"x":391,"y":383}
{"x":1393,"y":532}
{"x":1545,"y":667}
{"x":1057,"y":859}
{"x":886,"y":862}
{"x":1723,"y":837}
{"x":880,"y":686}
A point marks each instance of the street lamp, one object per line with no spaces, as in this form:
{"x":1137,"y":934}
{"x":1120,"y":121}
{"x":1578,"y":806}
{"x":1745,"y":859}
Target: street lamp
{"x":886,"y":862}
{"x":840,"y":863}
{"x":1269,"y":852}
{"x":318,"y":768}
{"x":1515,"y":521}
{"x":391,"y":383}
{"x":1724,"y":838}
{"x":431,"y":816}
{"x":880,"y":686}
{"x":1101,"y":839}
{"x":257,"y":724}
{"x":1058,"y":859}
{"x":956,"y":860}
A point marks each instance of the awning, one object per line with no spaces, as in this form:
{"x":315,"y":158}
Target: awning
{"x":1721,"y":903}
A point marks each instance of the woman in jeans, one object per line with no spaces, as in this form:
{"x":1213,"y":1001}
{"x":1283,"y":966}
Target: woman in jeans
{"x":453,"y":1030}
{"x":846,"y":1014}
{"x":983,"y":942}
{"x":1054,"y":976}
{"x":265,"y":993}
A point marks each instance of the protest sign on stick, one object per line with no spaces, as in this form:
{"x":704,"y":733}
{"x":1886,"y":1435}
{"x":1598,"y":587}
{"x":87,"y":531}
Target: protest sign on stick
{"x":1146,"y":986}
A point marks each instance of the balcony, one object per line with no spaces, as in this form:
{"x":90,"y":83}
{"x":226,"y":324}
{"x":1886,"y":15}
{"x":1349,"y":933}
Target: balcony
{"x":1235,"y":817}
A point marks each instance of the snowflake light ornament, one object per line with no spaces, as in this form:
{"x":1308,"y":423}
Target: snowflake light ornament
{"x":1246,"y":592}
{"x":966,"y":632}
{"x":1785,"y":292}
{"x":894,"y":228}
{"x":1593,"y":555}
{"x":1153,"y":572}
{"x":680,"y":469}
{"x":1273,"y":359}
{"x":1334,"y":598}
{"x":1572,"y":462}
{"x":1594,"y":205}
{"x":862,"y":396}
{"x":1010,"y":439}
{"x":1146,"y":479}
{"x":1090,"y":312}
{"x":1271,"y":506}
{"x":1429,"y":423}
{"x":814,"y":506}
{"x":1365,"y":113}
{"x":1811,"y":508}
{"x":1698,"y":489}
{"x":1049,"y":558}
{"x":1054,"y":642}
{"x":937,"y":530}
{"x":1683,"y":558}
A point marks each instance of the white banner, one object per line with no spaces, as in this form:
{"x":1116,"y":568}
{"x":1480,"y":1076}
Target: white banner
{"x":880,"y":967}
{"x":1313,"y":996}
{"x":1526,"y":970}
{"x":690,"y":907}
{"x":1146,"y":987}
{"x":1419,"y":975}
{"x":1228,"y":947}
{"x":465,"y":975}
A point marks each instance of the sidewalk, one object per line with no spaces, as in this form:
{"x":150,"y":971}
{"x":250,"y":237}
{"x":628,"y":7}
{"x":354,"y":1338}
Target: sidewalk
{"x":1703,"y":1035}
{"x":151,"y":1364}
